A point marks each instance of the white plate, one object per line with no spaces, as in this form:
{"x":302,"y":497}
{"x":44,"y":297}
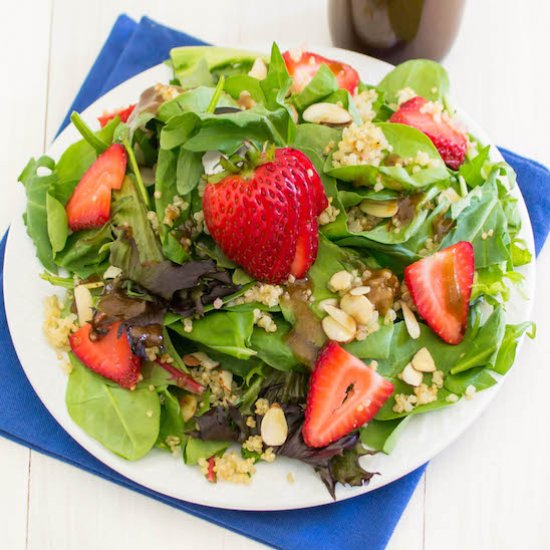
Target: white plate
{"x":424,"y":437}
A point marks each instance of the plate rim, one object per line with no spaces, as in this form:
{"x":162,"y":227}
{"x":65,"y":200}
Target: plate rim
{"x":344,"y":493}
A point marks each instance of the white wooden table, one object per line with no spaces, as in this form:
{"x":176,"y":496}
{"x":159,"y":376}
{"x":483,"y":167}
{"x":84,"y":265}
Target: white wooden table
{"x":487,"y":491}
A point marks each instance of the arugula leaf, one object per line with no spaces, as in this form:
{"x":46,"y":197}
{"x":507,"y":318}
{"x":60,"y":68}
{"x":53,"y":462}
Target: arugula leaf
{"x":124,"y":421}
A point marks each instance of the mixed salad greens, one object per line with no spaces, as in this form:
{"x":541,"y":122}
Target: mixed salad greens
{"x":181,"y":336}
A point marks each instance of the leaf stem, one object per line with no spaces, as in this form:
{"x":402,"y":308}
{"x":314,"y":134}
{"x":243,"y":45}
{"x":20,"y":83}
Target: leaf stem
{"x":98,"y":144}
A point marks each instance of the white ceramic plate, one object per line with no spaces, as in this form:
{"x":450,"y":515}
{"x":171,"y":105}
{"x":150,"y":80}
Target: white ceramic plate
{"x":424,"y":437}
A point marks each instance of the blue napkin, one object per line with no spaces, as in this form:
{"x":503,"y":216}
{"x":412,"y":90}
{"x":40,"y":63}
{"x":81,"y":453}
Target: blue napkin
{"x":365,"y":522}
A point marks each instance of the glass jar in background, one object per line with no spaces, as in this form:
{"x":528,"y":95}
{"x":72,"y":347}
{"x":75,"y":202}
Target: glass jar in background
{"x":396,"y":30}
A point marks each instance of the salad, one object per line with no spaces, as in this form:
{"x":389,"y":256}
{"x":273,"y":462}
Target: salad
{"x":270,"y":257}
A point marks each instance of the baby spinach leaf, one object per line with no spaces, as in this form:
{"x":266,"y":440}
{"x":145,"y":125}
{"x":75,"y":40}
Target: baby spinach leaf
{"x":383,"y":436}
{"x":321,"y":85}
{"x":194,"y":101}
{"x":228,"y":332}
{"x":236,"y":84}
{"x":472,"y":169}
{"x":272,"y":349}
{"x":124,"y":421}
{"x":178,"y":130}
{"x":507,"y":352}
{"x":189,"y":171}
{"x":427,"y":78}
{"x":171,"y":421}
{"x":196,"y":448}
{"x":375,"y":346}
{"x":58,"y":228}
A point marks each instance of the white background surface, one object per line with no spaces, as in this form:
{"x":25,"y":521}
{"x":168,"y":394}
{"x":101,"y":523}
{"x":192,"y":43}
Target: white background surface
{"x":487,"y":491}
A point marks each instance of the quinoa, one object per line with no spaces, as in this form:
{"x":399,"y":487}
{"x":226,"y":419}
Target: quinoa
{"x":405,"y":94}
{"x":173,"y":210}
{"x":329,"y":214}
{"x":262,"y":406}
{"x":364,"y":101}
{"x":254,"y":444}
{"x":265,"y":294}
{"x":230,"y":467}
{"x":56,"y":327}
{"x":364,"y":144}
{"x":264,"y":320}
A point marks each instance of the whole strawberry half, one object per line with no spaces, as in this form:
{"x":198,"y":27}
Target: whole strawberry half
{"x":110,"y":356}
{"x":265,"y":218}
{"x":441,"y":286}
{"x":450,"y":143}
{"x":344,"y":394}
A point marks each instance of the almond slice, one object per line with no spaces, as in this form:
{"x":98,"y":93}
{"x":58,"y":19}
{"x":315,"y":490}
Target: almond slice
{"x":423,"y":361}
{"x":346,"y":320}
{"x":359,"y":290}
{"x":274,"y":427}
{"x":341,"y":280}
{"x":188,"y":406}
{"x":326,"y":113}
{"x":335,"y":331}
{"x":411,"y":376}
{"x":328,"y":302}
{"x":359,"y":307}
{"x":112,"y":272}
{"x":380,"y":209}
{"x":204,"y":360}
{"x":259,"y":69}
{"x":413,"y":328}
{"x":84,"y":304}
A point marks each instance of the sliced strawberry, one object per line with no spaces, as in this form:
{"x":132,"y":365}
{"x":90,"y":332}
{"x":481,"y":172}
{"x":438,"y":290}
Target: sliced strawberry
{"x":321,"y":197}
{"x":441,"y":286}
{"x":211,"y":475}
{"x":258,"y":218}
{"x":90,"y":203}
{"x":110,"y":356}
{"x":343,"y":395}
{"x":123,"y":114}
{"x":450,"y":143}
{"x":303,"y":66}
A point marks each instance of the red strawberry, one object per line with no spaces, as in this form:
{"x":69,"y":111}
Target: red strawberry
{"x":90,"y":203}
{"x":450,"y":143}
{"x":441,"y":286}
{"x":343,"y":395}
{"x":110,"y":356}
{"x":266,"y":220}
{"x":303,"y":67}
{"x":123,"y":114}
{"x":321,"y":198}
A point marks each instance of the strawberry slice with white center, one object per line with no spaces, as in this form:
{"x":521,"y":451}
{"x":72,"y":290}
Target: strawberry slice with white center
{"x":90,"y":203}
{"x":450,"y":143}
{"x":110,"y":356}
{"x":441,"y":287}
{"x":123,"y":114}
{"x":344,"y":394}
{"x":303,"y":66}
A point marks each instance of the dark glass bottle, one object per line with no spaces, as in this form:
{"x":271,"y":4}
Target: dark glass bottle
{"x":396,"y":30}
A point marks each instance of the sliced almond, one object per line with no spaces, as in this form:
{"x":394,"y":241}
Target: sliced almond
{"x":380,"y":209}
{"x":328,"y":302}
{"x":112,"y":272}
{"x":359,"y":290}
{"x":335,"y":331}
{"x":188,"y":406}
{"x":259,"y":69}
{"x":345,"y":319}
{"x":84,"y":304}
{"x":411,"y":376}
{"x":341,"y":280}
{"x":423,"y":361}
{"x":191,"y":361}
{"x":204,"y":360}
{"x":413,"y":328}
{"x":359,"y":307}
{"x":226,"y":379}
{"x":326,"y":113}
{"x":274,"y":428}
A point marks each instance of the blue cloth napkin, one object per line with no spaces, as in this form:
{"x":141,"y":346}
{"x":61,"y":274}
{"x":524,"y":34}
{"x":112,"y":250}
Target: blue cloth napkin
{"x":365,"y":522}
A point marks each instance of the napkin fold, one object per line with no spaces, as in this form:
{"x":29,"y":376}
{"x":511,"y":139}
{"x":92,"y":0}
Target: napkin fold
{"x":365,"y":522}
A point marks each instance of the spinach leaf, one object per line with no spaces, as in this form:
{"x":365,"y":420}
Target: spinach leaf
{"x":507,"y":352}
{"x":124,"y":421}
{"x":375,"y":346}
{"x":194,"y":101}
{"x":58,"y":228}
{"x":189,"y":171}
{"x":427,"y":78}
{"x":236,"y":84}
{"x":383,"y":436}
{"x":321,"y":85}
{"x":171,"y":421}
{"x":472,"y":169}
{"x":228,"y":332}
{"x":272,"y":349}
{"x":196,"y":448}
